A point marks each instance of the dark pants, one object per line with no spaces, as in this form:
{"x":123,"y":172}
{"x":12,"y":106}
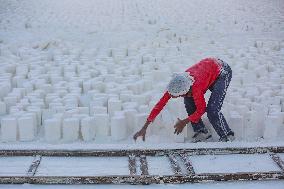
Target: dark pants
{"x":216,"y":118}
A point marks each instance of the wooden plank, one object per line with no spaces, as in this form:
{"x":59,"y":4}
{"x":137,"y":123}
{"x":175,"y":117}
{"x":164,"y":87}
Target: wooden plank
{"x":174,"y":164}
{"x":146,"y":152}
{"x":143,"y":165}
{"x":33,"y":167}
{"x":187,"y":163}
{"x":141,"y":179}
{"x":132,"y":164}
{"x":277,"y":160}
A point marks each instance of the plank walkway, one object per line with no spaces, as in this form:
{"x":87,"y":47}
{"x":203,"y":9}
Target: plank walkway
{"x":179,"y":160}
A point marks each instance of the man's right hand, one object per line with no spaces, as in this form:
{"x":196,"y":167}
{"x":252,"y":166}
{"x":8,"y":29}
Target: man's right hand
{"x":141,"y":133}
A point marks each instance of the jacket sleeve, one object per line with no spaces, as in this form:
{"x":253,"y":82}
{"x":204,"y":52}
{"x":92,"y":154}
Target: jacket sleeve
{"x":200,"y":104}
{"x":159,"y":106}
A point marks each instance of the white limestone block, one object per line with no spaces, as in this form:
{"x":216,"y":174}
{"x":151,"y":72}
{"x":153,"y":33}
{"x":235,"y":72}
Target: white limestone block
{"x":3,"y":109}
{"x":140,"y":99}
{"x":134,"y":88}
{"x":37,"y":111}
{"x":59,"y":109}
{"x":84,"y":100}
{"x":236,"y":123}
{"x":9,"y":129}
{"x":70,"y":104}
{"x":47,"y":114}
{"x":84,"y":110}
{"x":10,"y":101}
{"x":242,"y":109}
{"x":34,"y":116}
{"x":52,"y":130}
{"x":114,"y":105}
{"x":274,"y":109}
{"x":129,"y":105}
{"x":28,"y":87}
{"x":70,"y":129}
{"x":71,"y":113}
{"x":272,"y":126}
{"x":118,"y":128}
{"x":98,"y":110}
{"x":148,"y":84}
{"x":98,"y":101}
{"x":119,"y":113}
{"x":26,"y":128}
{"x":6,"y":87}
{"x":102,"y":125}
{"x":130,"y":116}
{"x":250,"y":125}
{"x":88,"y":128}
{"x":47,"y":88}
{"x":160,"y":75}
{"x":87,"y":85}
{"x":125,"y":97}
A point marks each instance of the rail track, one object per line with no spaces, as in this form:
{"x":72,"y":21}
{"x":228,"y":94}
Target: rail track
{"x":50,"y":167}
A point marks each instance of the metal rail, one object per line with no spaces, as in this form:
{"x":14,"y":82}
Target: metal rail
{"x":146,"y":152}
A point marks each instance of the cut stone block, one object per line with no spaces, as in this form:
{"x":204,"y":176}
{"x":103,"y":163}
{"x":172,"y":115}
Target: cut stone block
{"x":98,"y":101}
{"x":26,"y":128}
{"x":9,"y":129}
{"x":99,"y":110}
{"x":236,"y":123}
{"x":84,"y":110}
{"x":70,"y":129}
{"x":102,"y":125}
{"x":118,"y":128}
{"x":52,"y":130}
{"x":272,"y":126}
{"x":10,"y":101}
{"x":38,"y":112}
{"x":250,"y":125}
{"x":129,"y":105}
{"x":3,"y":109}
{"x":47,"y":114}
{"x":113,"y":105}
{"x":88,"y":128}
{"x":130,"y":116}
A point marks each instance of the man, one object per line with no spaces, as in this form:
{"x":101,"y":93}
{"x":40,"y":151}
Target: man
{"x":210,"y":73}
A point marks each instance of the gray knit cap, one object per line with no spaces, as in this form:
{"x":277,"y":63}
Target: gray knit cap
{"x":180,"y":84}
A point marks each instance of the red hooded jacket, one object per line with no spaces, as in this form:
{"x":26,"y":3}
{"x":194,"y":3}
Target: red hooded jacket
{"x":204,"y":73}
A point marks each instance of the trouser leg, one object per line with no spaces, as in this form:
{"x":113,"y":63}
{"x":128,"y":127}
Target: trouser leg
{"x":216,"y":99}
{"x":190,"y":109}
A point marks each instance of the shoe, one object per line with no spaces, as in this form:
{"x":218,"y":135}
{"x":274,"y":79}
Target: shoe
{"x":201,"y":136}
{"x":229,"y":138}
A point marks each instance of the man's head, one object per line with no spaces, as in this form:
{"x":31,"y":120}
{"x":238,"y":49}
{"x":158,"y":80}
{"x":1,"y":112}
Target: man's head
{"x":180,"y":84}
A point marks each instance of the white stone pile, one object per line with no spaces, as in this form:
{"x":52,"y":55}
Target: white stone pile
{"x":111,"y":95}
{"x":58,"y":87}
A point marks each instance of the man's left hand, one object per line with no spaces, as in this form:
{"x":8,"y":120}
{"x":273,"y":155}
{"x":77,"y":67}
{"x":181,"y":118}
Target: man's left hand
{"x":180,"y":124}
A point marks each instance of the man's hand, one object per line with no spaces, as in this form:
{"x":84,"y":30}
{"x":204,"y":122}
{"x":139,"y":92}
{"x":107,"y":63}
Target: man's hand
{"x":180,"y":124}
{"x":141,"y":133}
